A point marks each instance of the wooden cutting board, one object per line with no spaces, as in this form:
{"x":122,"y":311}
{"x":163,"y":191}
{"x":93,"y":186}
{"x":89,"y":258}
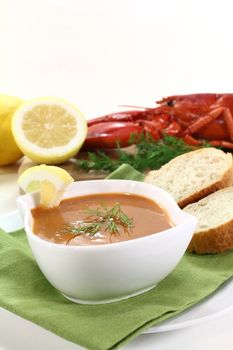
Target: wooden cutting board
{"x":69,"y":166}
{"x":72,"y":168}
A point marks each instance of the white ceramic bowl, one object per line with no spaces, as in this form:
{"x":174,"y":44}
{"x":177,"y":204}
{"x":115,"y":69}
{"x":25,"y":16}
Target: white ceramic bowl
{"x":111,"y":272}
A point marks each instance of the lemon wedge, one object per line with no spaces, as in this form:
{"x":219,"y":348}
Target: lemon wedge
{"x":49,"y":130}
{"x":51,"y":181}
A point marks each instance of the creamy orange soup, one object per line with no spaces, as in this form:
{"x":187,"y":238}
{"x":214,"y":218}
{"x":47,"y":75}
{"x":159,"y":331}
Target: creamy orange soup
{"x":133,"y":216}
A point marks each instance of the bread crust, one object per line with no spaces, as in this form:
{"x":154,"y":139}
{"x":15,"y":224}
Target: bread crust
{"x":226,"y":181}
{"x":215,"y":240}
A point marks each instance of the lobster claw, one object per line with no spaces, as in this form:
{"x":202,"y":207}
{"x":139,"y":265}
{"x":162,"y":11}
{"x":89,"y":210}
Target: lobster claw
{"x":109,"y":134}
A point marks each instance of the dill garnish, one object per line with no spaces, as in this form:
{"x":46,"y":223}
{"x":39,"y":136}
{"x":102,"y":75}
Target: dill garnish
{"x":149,"y":154}
{"x":89,"y":229}
{"x":101,"y":218}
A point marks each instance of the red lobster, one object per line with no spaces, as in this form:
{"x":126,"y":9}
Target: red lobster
{"x":195,"y":118}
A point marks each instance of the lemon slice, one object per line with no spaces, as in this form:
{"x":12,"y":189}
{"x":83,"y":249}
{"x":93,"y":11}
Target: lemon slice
{"x":50,"y":181}
{"x":49,"y":130}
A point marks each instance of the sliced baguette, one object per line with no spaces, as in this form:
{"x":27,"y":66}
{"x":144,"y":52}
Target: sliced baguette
{"x":214,"y":232}
{"x":194,"y":175}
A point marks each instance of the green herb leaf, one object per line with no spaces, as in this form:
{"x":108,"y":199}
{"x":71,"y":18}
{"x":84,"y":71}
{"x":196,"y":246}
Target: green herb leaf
{"x":149,"y":154}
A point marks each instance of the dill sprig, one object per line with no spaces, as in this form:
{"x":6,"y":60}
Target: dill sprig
{"x":107,"y":219}
{"x":89,"y":229}
{"x":150,"y":154}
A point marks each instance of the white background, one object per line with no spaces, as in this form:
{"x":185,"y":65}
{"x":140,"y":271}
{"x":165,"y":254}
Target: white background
{"x":101,"y":54}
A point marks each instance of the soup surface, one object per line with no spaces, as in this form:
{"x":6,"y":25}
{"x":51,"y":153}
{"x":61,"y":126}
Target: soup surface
{"x":100,"y":219}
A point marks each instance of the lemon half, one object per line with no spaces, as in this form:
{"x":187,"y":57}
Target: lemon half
{"x":51,"y":181}
{"x":49,"y":130}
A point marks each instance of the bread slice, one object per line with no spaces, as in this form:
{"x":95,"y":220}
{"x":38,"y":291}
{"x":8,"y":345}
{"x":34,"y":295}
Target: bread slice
{"x":214,"y":232}
{"x":194,"y":175}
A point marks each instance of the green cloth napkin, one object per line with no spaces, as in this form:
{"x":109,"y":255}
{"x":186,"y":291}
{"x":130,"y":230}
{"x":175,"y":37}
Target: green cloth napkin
{"x":25,"y":292}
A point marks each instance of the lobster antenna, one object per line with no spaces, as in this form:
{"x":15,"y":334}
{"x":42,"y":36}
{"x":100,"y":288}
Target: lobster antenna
{"x":137,"y":107}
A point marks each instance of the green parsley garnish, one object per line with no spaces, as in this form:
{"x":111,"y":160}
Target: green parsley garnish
{"x":149,"y":155}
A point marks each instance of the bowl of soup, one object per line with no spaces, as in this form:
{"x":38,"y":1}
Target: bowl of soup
{"x":108,"y":239}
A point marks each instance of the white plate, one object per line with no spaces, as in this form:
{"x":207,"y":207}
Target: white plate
{"x":212,"y":307}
